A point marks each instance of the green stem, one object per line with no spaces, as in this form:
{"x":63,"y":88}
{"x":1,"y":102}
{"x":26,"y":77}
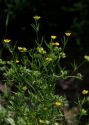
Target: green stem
{"x":65,"y":41}
{"x":6,"y":23}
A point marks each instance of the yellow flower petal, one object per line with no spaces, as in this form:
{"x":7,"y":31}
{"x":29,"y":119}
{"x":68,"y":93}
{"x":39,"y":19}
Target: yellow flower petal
{"x":86,"y":57}
{"x":53,"y":37}
{"x":85,"y":92}
{"x":24,"y":88}
{"x":48,"y":59}
{"x":58,"y":103}
{"x":19,"y":48}
{"x":36,"y":17}
{"x":57,"y":44}
{"x":6,"y":40}
{"x":52,"y":43}
{"x":41,"y":50}
{"x":22,"y":49}
{"x":67,"y":34}
{"x":56,"y":123}
{"x":17,"y":61}
{"x":41,"y":121}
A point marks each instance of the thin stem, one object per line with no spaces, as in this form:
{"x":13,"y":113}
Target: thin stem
{"x":6,"y":23}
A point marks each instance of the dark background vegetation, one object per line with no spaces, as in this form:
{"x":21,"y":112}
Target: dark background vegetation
{"x":58,"y":16}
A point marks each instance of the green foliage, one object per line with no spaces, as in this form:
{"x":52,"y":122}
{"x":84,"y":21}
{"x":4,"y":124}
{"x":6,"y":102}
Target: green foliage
{"x":30,"y":77}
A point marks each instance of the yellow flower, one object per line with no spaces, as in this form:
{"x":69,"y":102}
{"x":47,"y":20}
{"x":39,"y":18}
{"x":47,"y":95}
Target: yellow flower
{"x":22,"y":49}
{"x":84,"y":92}
{"x":57,"y":44}
{"x":62,"y":54}
{"x":48,"y":59}
{"x":86,"y":57}
{"x":67,"y":34}
{"x":41,"y":50}
{"x":47,"y":122}
{"x":44,"y":121}
{"x":53,"y":37}
{"x":6,"y":40}
{"x":57,"y":103}
{"x":56,"y":123}
{"x":54,"y":44}
{"x":41,"y":121}
{"x":19,"y":48}
{"x":36,"y":17}
{"x":17,"y":61}
{"x":24,"y":88}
